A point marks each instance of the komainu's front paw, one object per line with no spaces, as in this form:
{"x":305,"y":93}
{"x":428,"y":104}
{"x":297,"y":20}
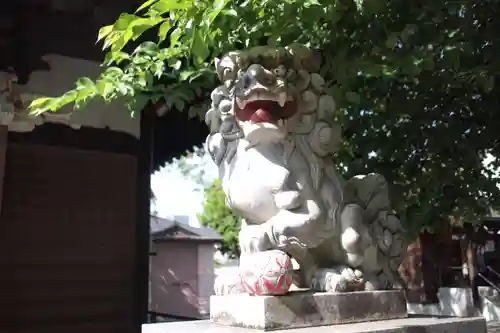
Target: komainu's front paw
{"x":351,"y":280}
{"x":339,"y":279}
{"x":228,"y":284}
{"x":253,"y":238}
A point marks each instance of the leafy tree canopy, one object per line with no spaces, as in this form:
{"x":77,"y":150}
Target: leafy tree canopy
{"x":414,"y":80}
{"x":217,"y":215}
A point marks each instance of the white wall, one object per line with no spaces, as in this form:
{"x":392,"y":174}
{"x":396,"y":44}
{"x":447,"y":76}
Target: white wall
{"x":61,"y":78}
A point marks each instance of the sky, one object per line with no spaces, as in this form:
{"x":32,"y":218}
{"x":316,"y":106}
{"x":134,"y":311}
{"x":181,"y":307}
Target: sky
{"x":178,"y":195}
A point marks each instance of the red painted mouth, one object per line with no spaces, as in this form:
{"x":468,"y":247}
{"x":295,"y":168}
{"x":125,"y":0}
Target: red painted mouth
{"x":265,"y":111}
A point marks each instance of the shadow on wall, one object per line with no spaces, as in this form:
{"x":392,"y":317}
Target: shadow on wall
{"x":181,"y":278}
{"x":170,"y":296}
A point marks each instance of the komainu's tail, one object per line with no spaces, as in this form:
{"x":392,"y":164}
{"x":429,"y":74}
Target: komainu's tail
{"x":371,"y":192}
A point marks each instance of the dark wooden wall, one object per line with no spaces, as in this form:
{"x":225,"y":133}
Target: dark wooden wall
{"x":69,"y":240}
{"x":30,"y":29}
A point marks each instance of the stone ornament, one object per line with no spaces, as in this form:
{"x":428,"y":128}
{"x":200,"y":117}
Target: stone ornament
{"x":267,"y":273}
{"x":273,"y":139}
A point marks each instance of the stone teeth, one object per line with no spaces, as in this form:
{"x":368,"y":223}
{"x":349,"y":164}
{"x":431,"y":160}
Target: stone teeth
{"x":241,"y":103}
{"x":262,"y":96}
{"x":254,"y":97}
{"x":282,"y":99}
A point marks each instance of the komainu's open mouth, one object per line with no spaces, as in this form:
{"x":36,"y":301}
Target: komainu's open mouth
{"x":261,"y":107}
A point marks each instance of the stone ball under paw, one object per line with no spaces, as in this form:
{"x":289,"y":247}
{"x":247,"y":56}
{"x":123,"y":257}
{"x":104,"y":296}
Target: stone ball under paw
{"x":266,"y":273}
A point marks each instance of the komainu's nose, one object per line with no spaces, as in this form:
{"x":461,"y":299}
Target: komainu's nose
{"x":261,"y":75}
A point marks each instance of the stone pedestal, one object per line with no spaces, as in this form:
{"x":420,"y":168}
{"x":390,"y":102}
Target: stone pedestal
{"x":306,"y":309}
{"x":405,"y":325}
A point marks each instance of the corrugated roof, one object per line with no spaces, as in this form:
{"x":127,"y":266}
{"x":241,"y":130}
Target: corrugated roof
{"x":165,"y":228}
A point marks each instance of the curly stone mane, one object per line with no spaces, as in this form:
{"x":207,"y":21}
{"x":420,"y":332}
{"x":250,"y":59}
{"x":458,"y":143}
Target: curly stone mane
{"x":312,"y":133}
{"x":272,"y":111}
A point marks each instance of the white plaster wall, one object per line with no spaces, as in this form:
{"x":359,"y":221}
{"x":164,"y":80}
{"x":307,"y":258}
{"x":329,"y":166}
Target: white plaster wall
{"x":457,"y":302}
{"x":491,"y":311}
{"x":490,"y":303}
{"x":62,"y":77}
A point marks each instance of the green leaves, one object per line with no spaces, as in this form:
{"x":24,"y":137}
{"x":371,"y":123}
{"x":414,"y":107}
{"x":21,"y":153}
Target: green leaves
{"x":488,"y":83}
{"x":185,"y":26}
{"x":103,"y":32}
{"x":421,"y":95}
{"x":164,"y":29}
{"x":217,"y":215}
{"x":352,"y":97}
{"x":145,"y":5}
{"x":190,"y":33}
{"x":200,"y":49}
{"x":128,"y":27}
{"x":391,"y":41}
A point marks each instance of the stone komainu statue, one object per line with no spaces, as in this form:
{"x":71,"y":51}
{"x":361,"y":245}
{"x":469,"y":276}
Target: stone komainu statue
{"x":273,"y":138}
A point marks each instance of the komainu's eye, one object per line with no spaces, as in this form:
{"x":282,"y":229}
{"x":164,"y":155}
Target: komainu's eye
{"x":280,"y":71}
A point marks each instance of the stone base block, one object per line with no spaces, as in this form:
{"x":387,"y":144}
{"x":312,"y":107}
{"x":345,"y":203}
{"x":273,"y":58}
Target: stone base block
{"x":306,"y":309}
{"x":406,"y":325}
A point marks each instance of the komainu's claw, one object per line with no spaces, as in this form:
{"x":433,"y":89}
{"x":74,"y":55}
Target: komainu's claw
{"x":339,"y":279}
